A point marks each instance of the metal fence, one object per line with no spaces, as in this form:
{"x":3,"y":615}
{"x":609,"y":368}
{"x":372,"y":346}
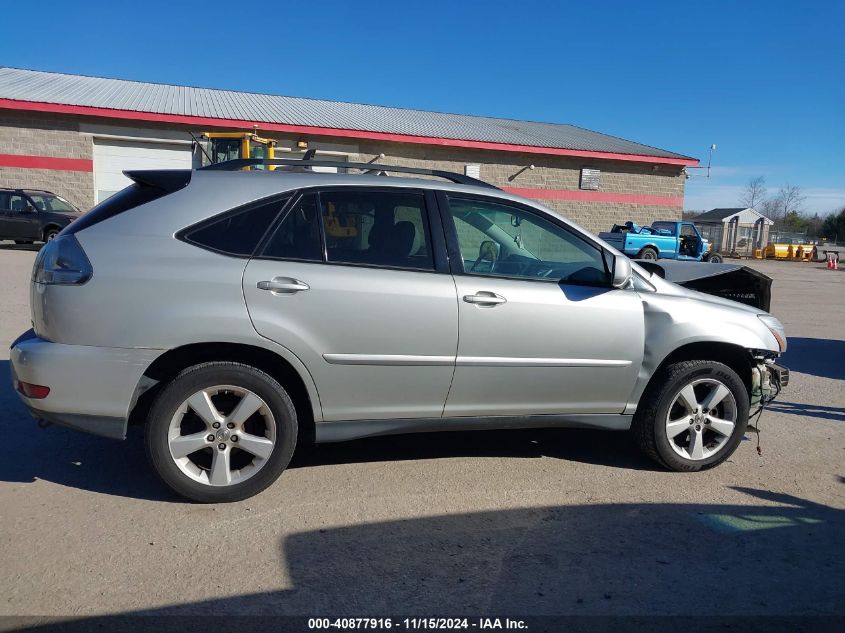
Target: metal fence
{"x":787,"y":237}
{"x":742,"y":240}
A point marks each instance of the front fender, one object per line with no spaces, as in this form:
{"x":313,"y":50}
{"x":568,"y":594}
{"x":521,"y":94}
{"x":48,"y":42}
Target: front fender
{"x":672,"y":322}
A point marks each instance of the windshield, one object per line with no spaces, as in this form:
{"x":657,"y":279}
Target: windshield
{"x":46,"y":202}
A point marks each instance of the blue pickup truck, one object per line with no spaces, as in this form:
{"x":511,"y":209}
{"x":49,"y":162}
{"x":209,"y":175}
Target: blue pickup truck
{"x":661,"y":240}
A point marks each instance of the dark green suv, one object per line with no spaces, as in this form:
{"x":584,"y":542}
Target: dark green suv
{"x":30,"y":215}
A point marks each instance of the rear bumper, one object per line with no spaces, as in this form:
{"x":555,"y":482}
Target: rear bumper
{"x":92,"y":389}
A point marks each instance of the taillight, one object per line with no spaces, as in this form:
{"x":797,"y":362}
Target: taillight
{"x":36,"y":392}
{"x":62,"y":262}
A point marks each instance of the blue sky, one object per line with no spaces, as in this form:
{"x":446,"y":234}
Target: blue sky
{"x":765,"y":81}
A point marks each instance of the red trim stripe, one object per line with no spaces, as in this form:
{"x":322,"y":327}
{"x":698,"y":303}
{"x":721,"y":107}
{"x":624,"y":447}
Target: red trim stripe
{"x":596,"y":196}
{"x":46,"y":162}
{"x":58,"y":108}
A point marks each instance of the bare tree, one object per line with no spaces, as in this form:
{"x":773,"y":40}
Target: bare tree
{"x":770,"y":208}
{"x":789,"y":200}
{"x":754,"y":193}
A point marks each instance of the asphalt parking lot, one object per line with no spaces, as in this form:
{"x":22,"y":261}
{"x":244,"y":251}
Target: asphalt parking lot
{"x":533,"y":522}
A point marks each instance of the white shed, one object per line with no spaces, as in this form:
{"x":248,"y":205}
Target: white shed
{"x":735,"y":231}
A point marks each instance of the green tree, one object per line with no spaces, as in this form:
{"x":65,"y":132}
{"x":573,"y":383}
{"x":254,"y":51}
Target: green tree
{"x":795,"y":222}
{"x":834,"y":226}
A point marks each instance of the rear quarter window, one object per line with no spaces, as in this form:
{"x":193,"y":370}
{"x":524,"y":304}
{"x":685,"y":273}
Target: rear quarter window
{"x":235,"y":233}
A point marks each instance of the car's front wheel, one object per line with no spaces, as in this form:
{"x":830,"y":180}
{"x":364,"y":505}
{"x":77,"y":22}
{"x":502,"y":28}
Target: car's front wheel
{"x":693,"y":416}
{"x":221,"y":432}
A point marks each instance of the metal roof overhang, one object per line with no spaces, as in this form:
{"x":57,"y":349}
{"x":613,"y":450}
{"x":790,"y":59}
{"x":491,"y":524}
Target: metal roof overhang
{"x":135,"y":115}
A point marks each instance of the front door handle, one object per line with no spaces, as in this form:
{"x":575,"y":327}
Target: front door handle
{"x":283,"y":285}
{"x":485,"y":298}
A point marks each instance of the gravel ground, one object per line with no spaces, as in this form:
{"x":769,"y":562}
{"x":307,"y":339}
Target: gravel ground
{"x":529,"y":522}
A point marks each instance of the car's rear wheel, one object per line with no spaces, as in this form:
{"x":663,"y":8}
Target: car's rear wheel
{"x":714,"y":258}
{"x":221,"y":432}
{"x":648,"y":253}
{"x":693,"y":417}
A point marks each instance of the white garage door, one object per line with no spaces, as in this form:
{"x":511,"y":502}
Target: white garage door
{"x":112,"y":157}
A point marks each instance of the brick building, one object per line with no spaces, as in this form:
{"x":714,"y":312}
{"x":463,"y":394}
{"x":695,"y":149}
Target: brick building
{"x":74,"y":135}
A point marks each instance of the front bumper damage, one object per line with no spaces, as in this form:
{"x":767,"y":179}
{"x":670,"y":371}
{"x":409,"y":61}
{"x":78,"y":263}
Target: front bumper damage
{"x":767,"y":380}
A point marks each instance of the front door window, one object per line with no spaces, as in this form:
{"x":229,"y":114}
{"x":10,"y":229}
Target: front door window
{"x":499,"y":240}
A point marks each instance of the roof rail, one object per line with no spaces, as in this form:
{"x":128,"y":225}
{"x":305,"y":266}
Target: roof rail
{"x":372,"y":168}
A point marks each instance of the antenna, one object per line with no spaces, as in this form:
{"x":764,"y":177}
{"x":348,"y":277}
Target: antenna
{"x":709,"y":162}
{"x":710,"y":158}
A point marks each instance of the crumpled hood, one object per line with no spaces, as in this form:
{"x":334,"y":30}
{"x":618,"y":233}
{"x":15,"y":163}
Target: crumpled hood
{"x":670,"y":288}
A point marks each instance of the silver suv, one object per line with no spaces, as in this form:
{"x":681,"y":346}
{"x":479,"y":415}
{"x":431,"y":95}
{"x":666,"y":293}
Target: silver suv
{"x":238,"y":313}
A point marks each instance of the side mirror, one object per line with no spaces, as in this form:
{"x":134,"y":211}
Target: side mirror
{"x":622,"y":272}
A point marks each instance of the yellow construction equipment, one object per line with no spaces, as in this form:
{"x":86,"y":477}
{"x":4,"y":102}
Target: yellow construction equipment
{"x":337,"y":228}
{"x":223,"y":146}
{"x":800,"y":252}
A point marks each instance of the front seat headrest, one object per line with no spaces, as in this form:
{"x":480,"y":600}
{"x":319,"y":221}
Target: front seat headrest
{"x":402,"y":239}
{"x":379,"y":235}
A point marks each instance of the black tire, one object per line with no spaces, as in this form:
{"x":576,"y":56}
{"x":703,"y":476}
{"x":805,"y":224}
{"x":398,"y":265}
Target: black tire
{"x":203,"y":376}
{"x":23,"y":241}
{"x":50,"y":234}
{"x":648,"y":253}
{"x":649,"y":424}
{"x":714,"y":258}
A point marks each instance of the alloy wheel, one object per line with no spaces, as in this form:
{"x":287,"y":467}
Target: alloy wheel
{"x":222,"y":435}
{"x":701,"y":419}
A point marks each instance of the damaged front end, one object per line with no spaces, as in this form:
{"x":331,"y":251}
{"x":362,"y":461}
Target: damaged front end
{"x":729,"y":281}
{"x":767,"y":380}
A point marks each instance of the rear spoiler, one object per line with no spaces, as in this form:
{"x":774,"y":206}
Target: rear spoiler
{"x":150,"y":184}
{"x":168,"y":180}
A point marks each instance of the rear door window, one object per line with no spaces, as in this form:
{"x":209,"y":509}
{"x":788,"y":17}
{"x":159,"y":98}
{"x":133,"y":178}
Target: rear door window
{"x":298,"y":236}
{"x":18,"y":203}
{"x":377,"y":228}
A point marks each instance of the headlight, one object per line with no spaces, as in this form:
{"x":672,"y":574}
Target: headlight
{"x":776,"y":328}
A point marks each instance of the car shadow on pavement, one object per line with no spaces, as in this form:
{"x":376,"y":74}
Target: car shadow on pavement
{"x":775,"y":557}
{"x":816,"y":357}
{"x":809,"y":410}
{"x":88,"y":462}
{"x":606,"y":448}
{"x":71,"y":458}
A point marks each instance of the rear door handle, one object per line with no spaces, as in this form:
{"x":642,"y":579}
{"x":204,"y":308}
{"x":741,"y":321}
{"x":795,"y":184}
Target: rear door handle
{"x":283,"y":285}
{"x":485,"y":298}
